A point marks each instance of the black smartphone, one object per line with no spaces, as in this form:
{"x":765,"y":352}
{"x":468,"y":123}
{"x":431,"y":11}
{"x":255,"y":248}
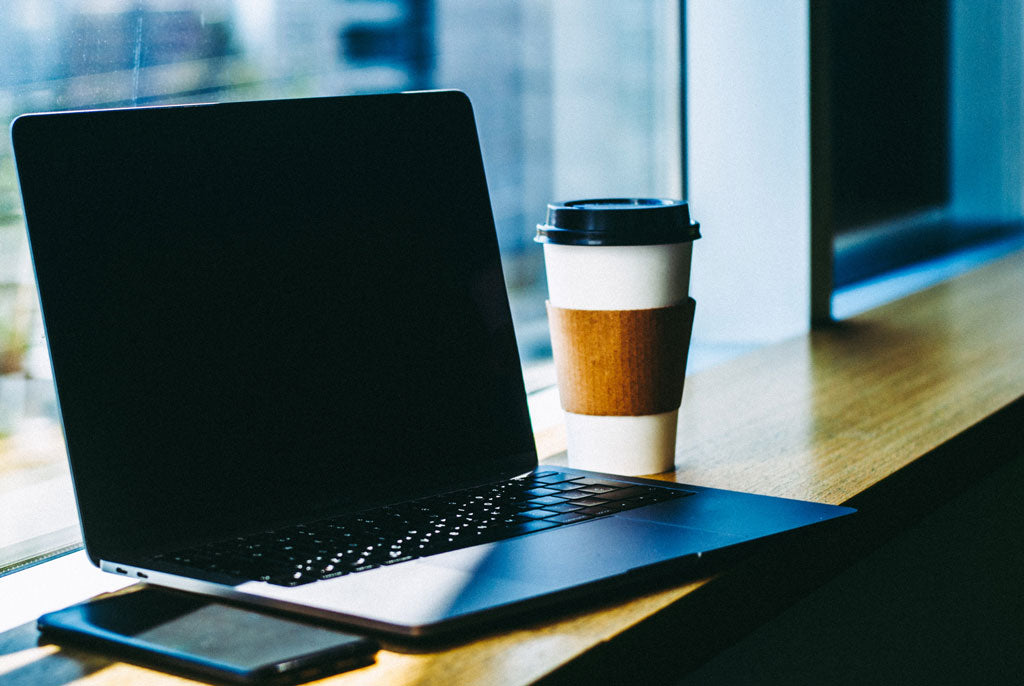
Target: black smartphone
{"x":204,"y":637}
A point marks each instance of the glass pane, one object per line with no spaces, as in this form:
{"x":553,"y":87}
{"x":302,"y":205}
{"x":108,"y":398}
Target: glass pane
{"x":573,"y":98}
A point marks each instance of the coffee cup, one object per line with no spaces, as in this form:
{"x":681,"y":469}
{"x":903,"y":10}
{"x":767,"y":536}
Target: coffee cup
{"x":620,"y":315}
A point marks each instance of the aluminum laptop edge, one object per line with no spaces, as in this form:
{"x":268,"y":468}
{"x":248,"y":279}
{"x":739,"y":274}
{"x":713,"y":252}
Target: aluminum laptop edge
{"x":268,"y":313}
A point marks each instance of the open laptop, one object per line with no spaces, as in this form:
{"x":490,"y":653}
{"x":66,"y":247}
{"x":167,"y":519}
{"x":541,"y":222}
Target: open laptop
{"x":287,"y":374}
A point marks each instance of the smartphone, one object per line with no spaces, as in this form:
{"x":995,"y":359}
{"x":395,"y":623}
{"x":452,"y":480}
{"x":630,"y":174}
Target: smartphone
{"x":200,"y":636}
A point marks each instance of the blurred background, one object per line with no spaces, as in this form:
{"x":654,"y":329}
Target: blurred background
{"x":571,"y":98}
{"x":837,"y":153}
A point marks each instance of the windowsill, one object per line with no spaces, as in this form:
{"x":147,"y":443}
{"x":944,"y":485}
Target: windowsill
{"x":54,"y":584}
{"x":874,"y":292}
{"x":890,"y":411}
{"x":868,"y":253}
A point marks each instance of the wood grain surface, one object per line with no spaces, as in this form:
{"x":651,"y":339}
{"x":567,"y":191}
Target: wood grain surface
{"x":826,"y":417}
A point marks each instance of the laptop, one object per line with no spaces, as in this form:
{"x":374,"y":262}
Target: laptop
{"x":287,"y":373}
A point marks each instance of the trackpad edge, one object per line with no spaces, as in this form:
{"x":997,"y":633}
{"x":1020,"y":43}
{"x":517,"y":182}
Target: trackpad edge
{"x":583,"y":553}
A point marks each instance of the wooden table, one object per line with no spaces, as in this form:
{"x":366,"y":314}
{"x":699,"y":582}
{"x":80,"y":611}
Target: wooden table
{"x":891,"y":412}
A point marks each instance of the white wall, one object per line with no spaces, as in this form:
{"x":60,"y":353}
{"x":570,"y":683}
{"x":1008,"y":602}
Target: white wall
{"x":748,"y":128}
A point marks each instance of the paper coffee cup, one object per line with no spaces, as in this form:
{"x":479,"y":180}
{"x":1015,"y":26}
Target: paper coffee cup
{"x":618,"y":275}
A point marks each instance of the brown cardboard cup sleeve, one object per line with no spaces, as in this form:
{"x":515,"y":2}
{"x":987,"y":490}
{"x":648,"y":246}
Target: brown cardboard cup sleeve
{"x":621,"y":362}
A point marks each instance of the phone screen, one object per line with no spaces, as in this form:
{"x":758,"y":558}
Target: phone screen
{"x":205,"y":636}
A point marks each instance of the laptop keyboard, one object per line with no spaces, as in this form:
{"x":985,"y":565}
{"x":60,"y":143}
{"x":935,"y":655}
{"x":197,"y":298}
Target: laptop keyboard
{"x":353,"y":543}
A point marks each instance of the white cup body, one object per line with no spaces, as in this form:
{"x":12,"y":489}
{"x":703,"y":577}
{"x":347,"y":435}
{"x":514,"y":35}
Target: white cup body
{"x":619,"y":278}
{"x":631,"y":446}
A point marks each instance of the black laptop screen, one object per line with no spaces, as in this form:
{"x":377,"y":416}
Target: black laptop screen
{"x":259,"y":312}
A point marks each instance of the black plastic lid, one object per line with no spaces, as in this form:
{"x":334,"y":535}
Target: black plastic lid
{"x":618,"y":221}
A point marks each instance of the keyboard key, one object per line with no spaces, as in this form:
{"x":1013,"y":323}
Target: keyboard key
{"x":334,"y":573}
{"x":547,"y":500}
{"x":599,"y":511}
{"x":620,"y":505}
{"x":554,"y":478}
{"x":597,"y":489}
{"x":564,"y":507}
{"x":564,"y":486}
{"x":587,"y":481}
{"x":574,"y":495}
{"x":537,"y":514}
{"x":589,"y":502}
{"x":626,"y":493}
{"x":540,"y":492}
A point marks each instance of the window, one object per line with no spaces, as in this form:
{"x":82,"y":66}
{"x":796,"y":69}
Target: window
{"x":572,"y":97}
{"x":916,"y":131}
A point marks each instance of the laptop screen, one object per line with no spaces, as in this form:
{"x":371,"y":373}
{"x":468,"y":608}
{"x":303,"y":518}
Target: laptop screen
{"x":264,"y":312}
